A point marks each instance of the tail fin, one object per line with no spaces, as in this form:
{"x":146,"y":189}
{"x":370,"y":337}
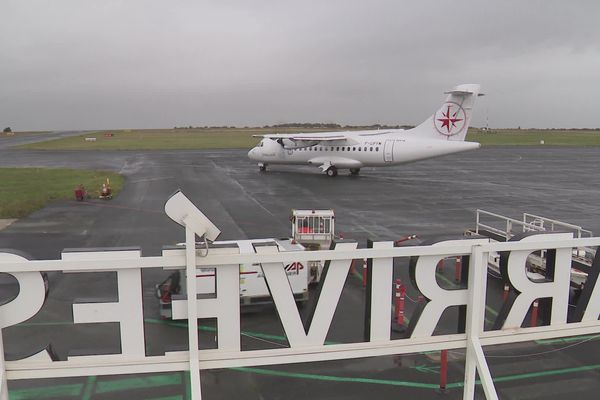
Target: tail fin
{"x":452,"y":120}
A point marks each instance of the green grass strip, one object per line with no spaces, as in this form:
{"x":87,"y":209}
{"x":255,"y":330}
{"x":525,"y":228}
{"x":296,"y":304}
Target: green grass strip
{"x":143,"y":382}
{"x":25,"y":190}
{"x":60,"y":391}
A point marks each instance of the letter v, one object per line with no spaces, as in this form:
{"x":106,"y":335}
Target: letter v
{"x":333,"y":279}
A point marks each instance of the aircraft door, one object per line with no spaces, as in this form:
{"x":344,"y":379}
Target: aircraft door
{"x":388,"y":151}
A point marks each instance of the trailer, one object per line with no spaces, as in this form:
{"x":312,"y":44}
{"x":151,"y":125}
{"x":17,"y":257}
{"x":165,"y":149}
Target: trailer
{"x":501,"y":228}
{"x":315,"y":230}
{"x":311,"y":230}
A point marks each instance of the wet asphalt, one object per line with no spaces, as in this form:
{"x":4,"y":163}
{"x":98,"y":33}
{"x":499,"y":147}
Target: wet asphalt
{"x":428,"y":198}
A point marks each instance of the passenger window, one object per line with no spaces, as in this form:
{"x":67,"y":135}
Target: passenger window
{"x":354,"y":149}
{"x":359,"y":149}
{"x":365,"y":149}
{"x":337,"y":149}
{"x":370,"y":149}
{"x":376,"y":148}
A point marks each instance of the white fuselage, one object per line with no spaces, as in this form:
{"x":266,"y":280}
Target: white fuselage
{"x":358,"y":149}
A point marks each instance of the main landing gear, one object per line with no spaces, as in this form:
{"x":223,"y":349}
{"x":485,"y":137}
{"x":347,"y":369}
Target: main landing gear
{"x":332,"y":171}
{"x":354,"y":171}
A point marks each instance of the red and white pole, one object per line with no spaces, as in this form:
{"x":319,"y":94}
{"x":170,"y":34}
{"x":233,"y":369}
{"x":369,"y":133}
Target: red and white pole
{"x":457,"y":269}
{"x":443,"y":369}
{"x":505,"y":292}
{"x":440,"y":266}
{"x":400,"y":298}
{"x":534,"y":313}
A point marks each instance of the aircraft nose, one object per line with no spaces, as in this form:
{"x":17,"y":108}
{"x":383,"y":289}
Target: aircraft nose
{"x":251,"y":153}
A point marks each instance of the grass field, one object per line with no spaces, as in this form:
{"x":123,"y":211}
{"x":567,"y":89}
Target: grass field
{"x":221,"y":138}
{"x":25,"y":190}
{"x":531,"y":137}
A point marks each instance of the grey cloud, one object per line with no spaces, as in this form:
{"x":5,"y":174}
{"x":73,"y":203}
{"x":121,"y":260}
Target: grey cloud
{"x":110,"y":64}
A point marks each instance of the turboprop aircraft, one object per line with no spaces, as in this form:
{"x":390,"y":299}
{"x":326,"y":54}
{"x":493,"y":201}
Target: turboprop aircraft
{"x":442,"y":133}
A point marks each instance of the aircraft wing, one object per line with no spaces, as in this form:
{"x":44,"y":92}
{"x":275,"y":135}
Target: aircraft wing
{"x":306,"y":137}
{"x":297,"y":140}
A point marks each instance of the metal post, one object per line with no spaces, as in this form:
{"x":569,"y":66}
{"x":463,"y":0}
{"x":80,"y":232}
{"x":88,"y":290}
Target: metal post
{"x":534,"y":313}
{"x":457,"y":269}
{"x":443,"y":370}
{"x":364,"y":273}
{"x":400,"y":298}
{"x":3,"y":380}
{"x":192,"y":309}
{"x":505,"y":293}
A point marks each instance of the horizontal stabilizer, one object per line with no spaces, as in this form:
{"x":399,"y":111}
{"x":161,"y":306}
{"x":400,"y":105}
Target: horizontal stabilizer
{"x":462,"y":93}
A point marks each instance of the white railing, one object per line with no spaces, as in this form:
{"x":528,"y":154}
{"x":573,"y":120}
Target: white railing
{"x":303,"y":346}
{"x":532,"y":223}
{"x":548,"y":224}
{"x":508,"y":224}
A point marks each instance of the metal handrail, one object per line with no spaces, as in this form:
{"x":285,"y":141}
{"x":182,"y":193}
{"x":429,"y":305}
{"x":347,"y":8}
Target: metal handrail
{"x":553,"y":223}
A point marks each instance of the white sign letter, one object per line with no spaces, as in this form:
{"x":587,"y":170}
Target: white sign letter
{"x":529,"y":291}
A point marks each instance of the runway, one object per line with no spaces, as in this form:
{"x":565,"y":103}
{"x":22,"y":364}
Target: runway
{"x":432,"y":197}
{"x":19,"y":139}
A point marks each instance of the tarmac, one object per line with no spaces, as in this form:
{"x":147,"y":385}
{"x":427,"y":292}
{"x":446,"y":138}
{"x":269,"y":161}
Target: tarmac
{"x":428,"y":198}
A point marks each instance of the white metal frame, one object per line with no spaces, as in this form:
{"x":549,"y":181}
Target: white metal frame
{"x":195,"y":360}
{"x":552,"y":224}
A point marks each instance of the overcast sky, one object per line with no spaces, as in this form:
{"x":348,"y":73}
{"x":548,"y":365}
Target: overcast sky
{"x":150,"y":64}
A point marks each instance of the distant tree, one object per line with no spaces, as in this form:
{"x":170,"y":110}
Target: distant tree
{"x":7,"y":130}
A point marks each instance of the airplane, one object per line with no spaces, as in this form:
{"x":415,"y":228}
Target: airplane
{"x":442,"y":133}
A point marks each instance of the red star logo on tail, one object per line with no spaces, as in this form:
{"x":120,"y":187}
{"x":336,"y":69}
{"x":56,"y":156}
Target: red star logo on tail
{"x":447,"y":120}
{"x":450,"y":119}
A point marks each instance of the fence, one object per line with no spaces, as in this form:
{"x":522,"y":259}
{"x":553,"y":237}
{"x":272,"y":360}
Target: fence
{"x":304,"y":346}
